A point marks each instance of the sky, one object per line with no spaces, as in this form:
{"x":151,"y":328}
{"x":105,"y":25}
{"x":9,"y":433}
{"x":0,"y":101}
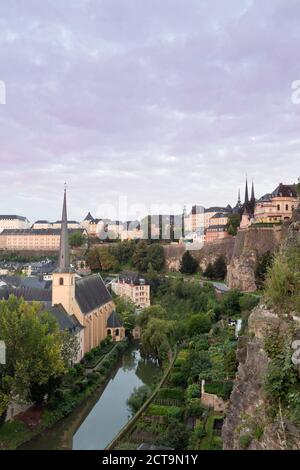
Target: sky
{"x":144,"y":105}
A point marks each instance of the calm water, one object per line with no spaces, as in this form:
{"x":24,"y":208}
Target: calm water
{"x":95,"y":423}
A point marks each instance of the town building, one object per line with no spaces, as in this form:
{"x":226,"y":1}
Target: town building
{"x":217,"y":229}
{"x":81,"y":305}
{"x":133,"y":286}
{"x":13,"y":222}
{"x":87,"y":298}
{"x":32,"y":239}
{"x":278,"y":206}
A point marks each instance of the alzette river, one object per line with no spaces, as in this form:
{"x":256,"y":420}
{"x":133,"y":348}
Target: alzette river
{"x":92,"y":425}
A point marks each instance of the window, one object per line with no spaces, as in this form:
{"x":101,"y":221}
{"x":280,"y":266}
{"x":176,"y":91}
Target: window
{"x":117,"y":332}
{"x":286,"y":207}
{"x":61,"y":281}
{"x":278,"y":207}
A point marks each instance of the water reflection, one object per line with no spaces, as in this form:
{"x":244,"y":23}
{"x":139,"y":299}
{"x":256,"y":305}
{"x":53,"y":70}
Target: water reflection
{"x":94,"y":424}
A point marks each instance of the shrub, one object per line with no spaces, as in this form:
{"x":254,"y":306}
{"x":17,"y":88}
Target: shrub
{"x":171,"y":394}
{"x":168,"y":411}
{"x":178,"y":379}
{"x":193,"y":391}
{"x":194,"y":408}
{"x":199,"y":430}
{"x":245,"y":440}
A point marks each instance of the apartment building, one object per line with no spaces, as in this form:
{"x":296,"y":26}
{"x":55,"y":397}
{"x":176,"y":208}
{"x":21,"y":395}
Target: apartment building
{"x":13,"y":222}
{"x":31,"y":239}
{"x":134,"y":287}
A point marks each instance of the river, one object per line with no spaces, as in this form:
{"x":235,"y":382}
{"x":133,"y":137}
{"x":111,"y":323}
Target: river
{"x":93,"y":424}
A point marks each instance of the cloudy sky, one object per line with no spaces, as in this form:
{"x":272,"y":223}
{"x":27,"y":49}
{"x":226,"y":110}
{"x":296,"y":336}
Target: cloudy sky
{"x":156,"y":102}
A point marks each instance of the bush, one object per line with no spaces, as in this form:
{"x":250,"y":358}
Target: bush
{"x":245,"y":441}
{"x":171,"y":394}
{"x":199,"y":430}
{"x":178,"y":379}
{"x":168,"y":411}
{"x":194,"y":408}
{"x":193,"y":391}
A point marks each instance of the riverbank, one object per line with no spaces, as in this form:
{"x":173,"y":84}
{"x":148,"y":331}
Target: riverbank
{"x":76,"y":389}
{"x":94,"y":423}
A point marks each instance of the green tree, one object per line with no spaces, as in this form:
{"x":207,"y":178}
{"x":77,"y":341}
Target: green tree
{"x":199,"y":324}
{"x":108,"y":261}
{"x":126,"y":311}
{"x":233,"y":224}
{"x":188,"y":264}
{"x":93,"y":259}
{"x":155,"y":311}
{"x":220,"y":268}
{"x":156,"y":256}
{"x":209,"y":271}
{"x":124,"y":251}
{"x":177,"y":435}
{"x":156,"y":338}
{"x":33,"y":347}
{"x":261,"y":268}
{"x":76,"y":239}
{"x":140,"y":256}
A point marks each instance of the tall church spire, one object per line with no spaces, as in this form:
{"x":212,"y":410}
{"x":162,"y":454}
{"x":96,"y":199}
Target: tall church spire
{"x":246,"y":192}
{"x":239,"y":197}
{"x":64,"y":254}
{"x":252,"y":192}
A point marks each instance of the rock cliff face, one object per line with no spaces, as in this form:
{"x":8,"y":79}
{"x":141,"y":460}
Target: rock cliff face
{"x":249,"y":245}
{"x":247,"y":411}
{"x":248,"y":406}
{"x":240,"y":253}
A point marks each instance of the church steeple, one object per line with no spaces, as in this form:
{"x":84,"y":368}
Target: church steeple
{"x":239,"y":197}
{"x":63,"y":282}
{"x":64,"y":253}
{"x":252,"y":192}
{"x":246,"y":192}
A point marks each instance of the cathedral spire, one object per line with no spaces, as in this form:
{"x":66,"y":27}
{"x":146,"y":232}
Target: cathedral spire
{"x":64,"y":254}
{"x":239,"y":197}
{"x":252,"y":192}
{"x":246,"y":192}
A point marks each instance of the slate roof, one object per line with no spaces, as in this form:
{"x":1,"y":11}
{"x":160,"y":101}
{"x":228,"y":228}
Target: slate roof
{"x":38,"y":231}
{"x":13,"y":217}
{"x":131,"y":278}
{"x":219,"y":209}
{"x":219,"y":215}
{"x":91,"y":293}
{"x":282,"y":190}
{"x":113,"y":321}
{"x":285,"y":190}
{"x":216,"y":228}
{"x":89,"y":217}
{"x":29,"y":294}
{"x":65,"y":321}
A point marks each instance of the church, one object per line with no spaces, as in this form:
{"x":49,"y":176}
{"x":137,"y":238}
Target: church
{"x":85,"y":299}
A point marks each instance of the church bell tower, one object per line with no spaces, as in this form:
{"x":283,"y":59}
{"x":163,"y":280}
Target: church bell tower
{"x":63,"y":281}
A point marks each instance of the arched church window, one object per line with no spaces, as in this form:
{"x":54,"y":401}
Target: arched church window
{"x":117,"y":332}
{"x":61,"y":281}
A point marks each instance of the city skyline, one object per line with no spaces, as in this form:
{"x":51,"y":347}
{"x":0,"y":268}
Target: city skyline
{"x":155,"y":101}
